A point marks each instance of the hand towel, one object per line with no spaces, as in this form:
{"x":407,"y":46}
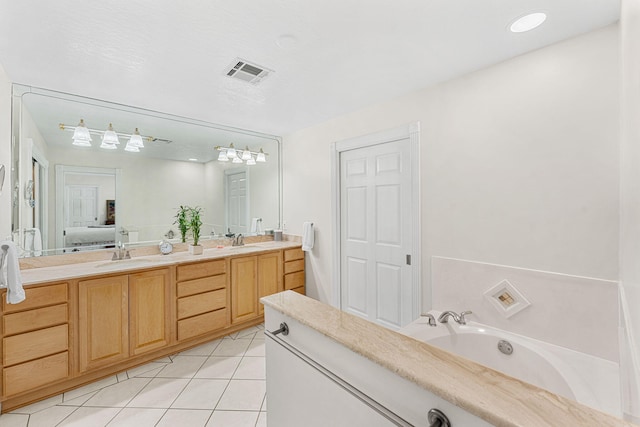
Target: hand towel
{"x":307,"y":236}
{"x":10,"y":272}
{"x":255,"y":225}
{"x":33,"y":241}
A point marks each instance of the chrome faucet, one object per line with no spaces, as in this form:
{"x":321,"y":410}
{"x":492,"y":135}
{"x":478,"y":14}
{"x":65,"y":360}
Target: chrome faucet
{"x":432,"y":320}
{"x":238,"y":240}
{"x":121,"y":252}
{"x":458,"y":318}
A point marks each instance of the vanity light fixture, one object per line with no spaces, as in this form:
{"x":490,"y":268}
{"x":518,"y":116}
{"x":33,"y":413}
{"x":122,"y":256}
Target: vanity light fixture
{"x":110,"y":138}
{"x":528,"y":22}
{"x":240,"y":156}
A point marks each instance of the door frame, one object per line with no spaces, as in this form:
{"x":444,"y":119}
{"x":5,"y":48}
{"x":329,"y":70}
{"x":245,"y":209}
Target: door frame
{"x":412,"y":132}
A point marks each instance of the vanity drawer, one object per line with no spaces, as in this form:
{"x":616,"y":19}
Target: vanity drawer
{"x":293,"y":254}
{"x":36,"y":373}
{"x":197,"y":286}
{"x":293,"y":266}
{"x":32,"y":345}
{"x":201,"y":303}
{"x":201,"y":269}
{"x":299,"y":290}
{"x":30,"y":320}
{"x":202,"y":324}
{"x":294,"y":280}
{"x":37,"y":297}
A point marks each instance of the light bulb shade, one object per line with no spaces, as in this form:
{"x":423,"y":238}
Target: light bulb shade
{"x":237,"y":160}
{"x":131,"y":148}
{"x":222,"y":157}
{"x":251,"y":161}
{"x":81,"y":136}
{"x":108,"y":146}
{"x":110,"y":137}
{"x":231,"y":152}
{"x":246,"y":154}
{"x":261,"y":157}
{"x":136,"y":140}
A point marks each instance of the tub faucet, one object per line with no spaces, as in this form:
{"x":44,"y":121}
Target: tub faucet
{"x":238,"y":241}
{"x":121,"y":252}
{"x":458,"y":318}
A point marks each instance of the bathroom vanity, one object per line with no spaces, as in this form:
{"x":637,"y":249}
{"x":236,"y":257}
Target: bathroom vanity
{"x":85,"y":321}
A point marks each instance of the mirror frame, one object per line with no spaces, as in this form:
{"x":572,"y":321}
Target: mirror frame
{"x":19,"y":90}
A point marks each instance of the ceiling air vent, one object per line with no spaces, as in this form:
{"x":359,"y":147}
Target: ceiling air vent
{"x":247,"y":72}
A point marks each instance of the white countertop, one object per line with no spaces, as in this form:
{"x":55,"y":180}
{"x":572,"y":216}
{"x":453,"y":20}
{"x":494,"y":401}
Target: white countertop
{"x":497,"y":398}
{"x":34,"y":276}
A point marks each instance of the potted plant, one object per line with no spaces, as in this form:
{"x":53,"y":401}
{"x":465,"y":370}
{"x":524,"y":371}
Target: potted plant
{"x":182,"y":219}
{"x":195,"y":223}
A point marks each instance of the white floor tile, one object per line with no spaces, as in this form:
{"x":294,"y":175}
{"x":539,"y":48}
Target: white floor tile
{"x":218,"y":367}
{"x":166,"y":359}
{"x":122,"y":376}
{"x":182,"y":367}
{"x":39,"y":406}
{"x":232,"y":347}
{"x":94,"y":417}
{"x":201,"y":394}
{"x":159,"y":393}
{"x":249,"y":332}
{"x":233,"y":419}
{"x":137,"y":417}
{"x":262,"y":420}
{"x":202,"y":350}
{"x":51,"y":417}
{"x":256,"y":349}
{"x":118,"y":395}
{"x":78,"y":401}
{"x":250,"y":368}
{"x":90,"y":388}
{"x":184,"y":417}
{"x":14,"y":420}
{"x":151,"y":373}
{"x":243,"y":395}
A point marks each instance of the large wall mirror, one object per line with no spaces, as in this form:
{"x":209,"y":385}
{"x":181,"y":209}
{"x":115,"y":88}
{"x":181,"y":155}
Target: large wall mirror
{"x":69,"y":198}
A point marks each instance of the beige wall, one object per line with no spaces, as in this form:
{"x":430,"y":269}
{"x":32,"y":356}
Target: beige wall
{"x":630,"y":208}
{"x":519,"y":164}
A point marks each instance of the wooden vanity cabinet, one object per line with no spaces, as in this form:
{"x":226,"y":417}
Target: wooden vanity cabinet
{"x":122,"y":316}
{"x":103,"y":323}
{"x":294,"y":278}
{"x":253,"y":277}
{"x":202,"y":298}
{"x":35,"y":343}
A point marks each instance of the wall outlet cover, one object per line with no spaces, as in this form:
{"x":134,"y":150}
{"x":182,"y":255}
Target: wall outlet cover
{"x":506,"y":299}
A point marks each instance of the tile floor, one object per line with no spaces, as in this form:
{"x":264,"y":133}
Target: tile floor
{"x":220,"y":383}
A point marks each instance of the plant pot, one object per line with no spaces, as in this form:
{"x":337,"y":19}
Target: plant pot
{"x":195,"y":249}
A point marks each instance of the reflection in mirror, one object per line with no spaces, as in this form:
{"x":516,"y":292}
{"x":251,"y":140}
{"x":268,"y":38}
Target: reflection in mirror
{"x":85,"y":197}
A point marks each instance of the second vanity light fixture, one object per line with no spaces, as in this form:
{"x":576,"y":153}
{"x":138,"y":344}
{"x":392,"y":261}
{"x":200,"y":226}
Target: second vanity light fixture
{"x":110,"y":138}
{"x":240,"y":156}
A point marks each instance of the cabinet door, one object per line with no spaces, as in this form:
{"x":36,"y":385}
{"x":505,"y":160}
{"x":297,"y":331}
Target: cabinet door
{"x":269,"y":276}
{"x":103,"y":321}
{"x":244,"y":289}
{"x":149,"y":310}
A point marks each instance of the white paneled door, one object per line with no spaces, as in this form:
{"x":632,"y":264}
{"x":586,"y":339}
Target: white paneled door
{"x":377,"y":233}
{"x":82,"y":205}
{"x":237,"y":201}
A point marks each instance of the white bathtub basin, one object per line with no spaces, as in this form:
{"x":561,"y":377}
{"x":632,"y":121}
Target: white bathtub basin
{"x":587,"y":379}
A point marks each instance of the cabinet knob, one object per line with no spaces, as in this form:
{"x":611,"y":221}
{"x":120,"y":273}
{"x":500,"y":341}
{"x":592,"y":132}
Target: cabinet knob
{"x":437,"y":418}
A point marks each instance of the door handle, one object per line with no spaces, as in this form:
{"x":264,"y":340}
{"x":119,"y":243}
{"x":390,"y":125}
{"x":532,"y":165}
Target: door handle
{"x":408,"y":259}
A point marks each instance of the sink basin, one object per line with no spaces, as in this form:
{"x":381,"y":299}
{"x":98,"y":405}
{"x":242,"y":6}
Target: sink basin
{"x":129,"y":263}
{"x":241,"y":248}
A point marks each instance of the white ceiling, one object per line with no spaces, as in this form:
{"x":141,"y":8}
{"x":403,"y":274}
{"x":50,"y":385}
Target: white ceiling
{"x":330,"y":57}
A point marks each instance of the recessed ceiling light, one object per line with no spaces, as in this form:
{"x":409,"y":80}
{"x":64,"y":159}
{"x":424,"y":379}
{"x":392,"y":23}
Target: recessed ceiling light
{"x":193,"y":160}
{"x":528,"y":22}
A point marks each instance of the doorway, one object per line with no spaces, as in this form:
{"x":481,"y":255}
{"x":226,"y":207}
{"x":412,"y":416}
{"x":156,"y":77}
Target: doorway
{"x":377,"y":223}
{"x":237,"y":201}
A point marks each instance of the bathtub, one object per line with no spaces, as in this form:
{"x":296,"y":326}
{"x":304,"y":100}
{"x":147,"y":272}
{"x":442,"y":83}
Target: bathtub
{"x":589,"y":380}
